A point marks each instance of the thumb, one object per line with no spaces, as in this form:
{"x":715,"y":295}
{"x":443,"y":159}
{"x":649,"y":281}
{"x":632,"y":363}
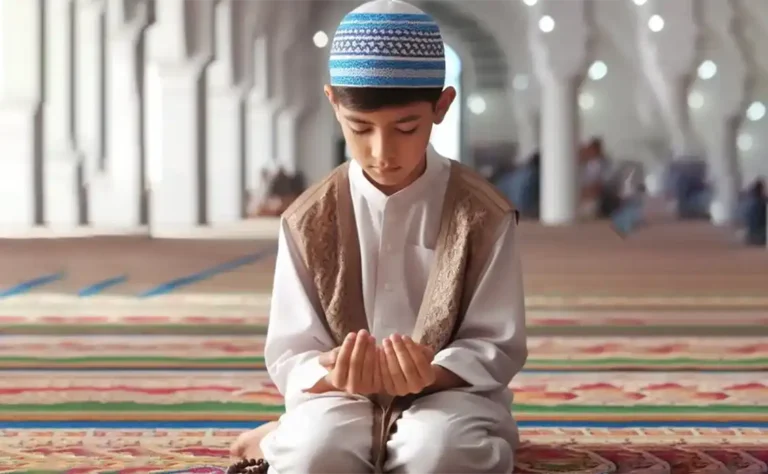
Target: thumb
{"x":328,"y":359}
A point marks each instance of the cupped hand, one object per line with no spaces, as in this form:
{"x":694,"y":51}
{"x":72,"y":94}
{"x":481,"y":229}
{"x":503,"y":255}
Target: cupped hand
{"x":405,"y":366}
{"x":354,"y":366}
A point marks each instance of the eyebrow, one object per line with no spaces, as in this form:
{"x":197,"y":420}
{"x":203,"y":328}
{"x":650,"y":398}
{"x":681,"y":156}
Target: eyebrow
{"x":406,"y":119}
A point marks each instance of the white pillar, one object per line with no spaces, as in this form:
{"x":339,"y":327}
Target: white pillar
{"x":261,"y":136}
{"x":266,"y":97}
{"x":668,"y":60}
{"x":175,"y":125}
{"x":525,"y":98}
{"x":287,"y":92}
{"x":559,"y":34}
{"x":115,"y":191}
{"x":296,"y":97}
{"x":21,"y":28}
{"x":225,"y":109}
{"x":260,"y":125}
{"x":61,"y":163}
{"x":89,"y":86}
{"x":730,"y":90}
{"x":560,"y":144}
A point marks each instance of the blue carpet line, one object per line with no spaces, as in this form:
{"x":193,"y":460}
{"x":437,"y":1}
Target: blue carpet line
{"x":30,"y":285}
{"x":98,"y":287}
{"x":213,"y":424}
{"x":168,"y":287}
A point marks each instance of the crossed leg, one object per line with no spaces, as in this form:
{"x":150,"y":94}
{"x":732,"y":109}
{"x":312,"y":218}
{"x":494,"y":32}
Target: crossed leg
{"x":446,"y":432}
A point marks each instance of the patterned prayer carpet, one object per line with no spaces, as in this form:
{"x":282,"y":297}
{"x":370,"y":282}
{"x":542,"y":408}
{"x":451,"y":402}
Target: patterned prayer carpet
{"x":227,"y":314}
{"x":246,"y":352}
{"x":576,"y":422}
{"x":540,"y":397}
{"x":189,"y":450}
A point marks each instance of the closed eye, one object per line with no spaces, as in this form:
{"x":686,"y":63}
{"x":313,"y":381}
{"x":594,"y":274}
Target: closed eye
{"x":408,"y":132}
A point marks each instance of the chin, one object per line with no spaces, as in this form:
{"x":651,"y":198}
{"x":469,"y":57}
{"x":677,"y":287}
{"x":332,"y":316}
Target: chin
{"x":393,"y":179}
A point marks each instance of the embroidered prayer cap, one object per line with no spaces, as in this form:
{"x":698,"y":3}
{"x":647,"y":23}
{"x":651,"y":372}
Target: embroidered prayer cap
{"x":387,"y":43}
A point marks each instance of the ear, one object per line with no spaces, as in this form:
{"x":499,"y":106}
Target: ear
{"x":332,"y":99}
{"x":443,"y":104}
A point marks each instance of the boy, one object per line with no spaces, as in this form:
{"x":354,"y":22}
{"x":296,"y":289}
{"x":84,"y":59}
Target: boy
{"x":397,"y":318}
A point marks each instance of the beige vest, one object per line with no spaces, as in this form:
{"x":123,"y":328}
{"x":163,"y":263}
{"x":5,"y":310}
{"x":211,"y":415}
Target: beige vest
{"x":322,"y":223}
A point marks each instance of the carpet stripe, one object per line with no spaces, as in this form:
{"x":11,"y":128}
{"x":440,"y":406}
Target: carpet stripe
{"x":29,"y":285}
{"x":101,"y":286}
{"x":172,"y":285}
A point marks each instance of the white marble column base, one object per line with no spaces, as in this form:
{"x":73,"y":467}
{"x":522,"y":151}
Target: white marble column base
{"x":61,"y":192}
{"x":18,"y":135}
{"x":173,"y":127}
{"x":225,"y":155}
{"x":114,"y":201}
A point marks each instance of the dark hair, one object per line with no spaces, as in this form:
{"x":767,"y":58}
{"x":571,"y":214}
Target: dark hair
{"x":368,"y":99}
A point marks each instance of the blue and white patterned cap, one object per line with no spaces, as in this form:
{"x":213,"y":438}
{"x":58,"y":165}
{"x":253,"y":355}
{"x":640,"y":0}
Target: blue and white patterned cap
{"x":387,"y":43}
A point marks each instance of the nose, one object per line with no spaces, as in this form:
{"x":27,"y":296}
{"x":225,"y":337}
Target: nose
{"x":380,"y":149}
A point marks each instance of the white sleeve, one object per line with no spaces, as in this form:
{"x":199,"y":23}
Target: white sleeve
{"x":490,"y":346}
{"x":295,"y":333}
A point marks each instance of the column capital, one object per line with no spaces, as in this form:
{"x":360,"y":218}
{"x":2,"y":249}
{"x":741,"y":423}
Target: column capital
{"x":302,"y":75}
{"x":126,"y":24}
{"x":166,"y":38}
{"x":668,"y":34}
{"x":559,"y":35}
{"x":261,"y":16}
{"x":227,"y":71}
{"x":182,"y":31}
{"x":21,"y":40}
{"x":282,"y":41}
{"x":733,"y":79}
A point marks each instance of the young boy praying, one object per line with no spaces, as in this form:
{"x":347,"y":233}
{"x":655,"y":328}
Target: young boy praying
{"x":397,"y":318}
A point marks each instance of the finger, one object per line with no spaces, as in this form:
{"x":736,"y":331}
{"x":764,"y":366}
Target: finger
{"x":407,"y":366}
{"x":341,"y":369}
{"x":423,"y":366}
{"x":369,"y":367}
{"x":393,"y":364}
{"x":387,"y":384}
{"x":328,"y":359}
{"x":357,"y":362}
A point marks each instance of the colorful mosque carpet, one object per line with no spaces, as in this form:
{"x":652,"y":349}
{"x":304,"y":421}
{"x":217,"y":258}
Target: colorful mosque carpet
{"x":585,"y":451}
{"x":246,"y":352}
{"x":244,"y":315}
{"x":564,"y":397}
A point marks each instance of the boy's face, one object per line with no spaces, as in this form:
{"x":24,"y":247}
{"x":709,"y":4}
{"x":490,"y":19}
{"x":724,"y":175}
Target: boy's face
{"x":390,"y":144}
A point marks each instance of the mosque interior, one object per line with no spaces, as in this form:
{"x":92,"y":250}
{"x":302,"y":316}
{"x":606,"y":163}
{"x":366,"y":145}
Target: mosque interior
{"x":149,"y":146}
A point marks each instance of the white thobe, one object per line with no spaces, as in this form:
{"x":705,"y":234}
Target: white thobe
{"x":464,"y":430}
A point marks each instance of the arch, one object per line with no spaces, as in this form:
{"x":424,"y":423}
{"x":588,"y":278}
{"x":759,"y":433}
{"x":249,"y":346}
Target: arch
{"x":489,"y":60}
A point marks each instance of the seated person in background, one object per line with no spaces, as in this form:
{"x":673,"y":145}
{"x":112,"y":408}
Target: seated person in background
{"x":280,"y":189}
{"x":756,"y":214}
{"x":595,"y":169}
{"x":397,"y":318}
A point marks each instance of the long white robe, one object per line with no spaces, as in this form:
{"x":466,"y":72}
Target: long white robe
{"x":464,"y":430}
